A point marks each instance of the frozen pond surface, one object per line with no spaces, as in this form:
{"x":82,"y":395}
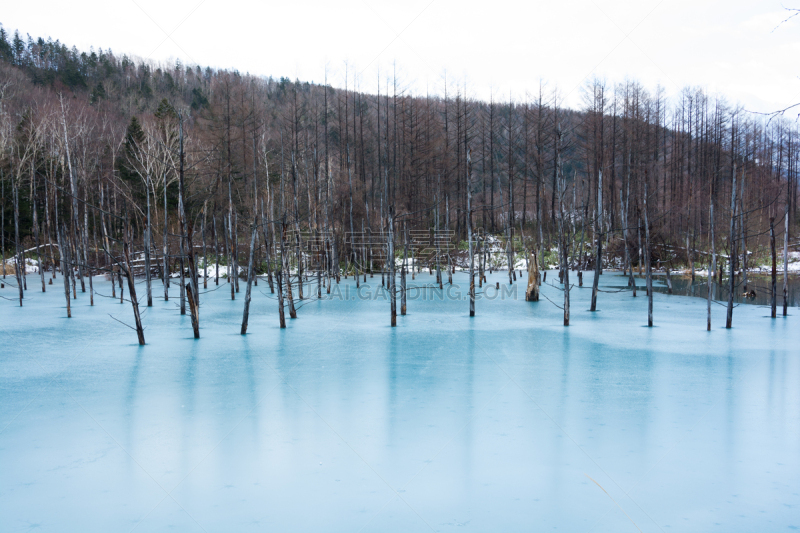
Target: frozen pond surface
{"x":504,"y":422}
{"x":760,"y":284}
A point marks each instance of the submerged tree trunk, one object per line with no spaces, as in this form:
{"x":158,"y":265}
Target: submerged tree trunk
{"x":786,"y":257}
{"x":86,"y":253}
{"x":250,"y":270}
{"x":106,"y":242}
{"x":510,"y":255}
{"x":469,"y":238}
{"x":121,"y":290}
{"x":598,"y":234}
{"x":742,"y":232}
{"x":392,"y":292}
{"x":182,"y":264}
{"x":235,"y":250}
{"x":74,"y":188}
{"x":532,"y":292}
{"x":352,"y":231}
{"x":403,"y":271}
{"x":774,"y":284}
{"x":279,"y":280}
{"x":267,"y":236}
{"x":562,"y":226}
{"x":250,"y":263}
{"x":62,"y":260}
{"x":75,"y":261}
{"x":205,"y":250}
{"x":19,"y":261}
{"x":216,"y":251}
{"x":165,"y":270}
{"x":648,"y":262}
{"x":481,"y":243}
{"x":147,"y":240}
{"x":131,"y":284}
{"x":711,"y":268}
{"x":229,"y":246}
{"x":731,"y":260}
{"x":628,"y":261}
{"x":187,"y":246}
{"x":287,"y":273}
{"x":565,"y":276}
{"x":3,"y":224}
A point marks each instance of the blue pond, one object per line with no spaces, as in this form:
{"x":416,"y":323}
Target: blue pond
{"x":507,"y":421}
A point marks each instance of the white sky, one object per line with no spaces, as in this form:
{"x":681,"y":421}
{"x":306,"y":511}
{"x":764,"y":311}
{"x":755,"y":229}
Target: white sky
{"x":726,"y":46}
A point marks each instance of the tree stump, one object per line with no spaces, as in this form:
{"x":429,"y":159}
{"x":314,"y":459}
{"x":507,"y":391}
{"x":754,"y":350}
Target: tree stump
{"x":532,"y":292}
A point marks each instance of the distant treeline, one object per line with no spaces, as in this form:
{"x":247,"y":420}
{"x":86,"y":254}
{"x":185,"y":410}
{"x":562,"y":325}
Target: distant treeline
{"x":310,"y":146}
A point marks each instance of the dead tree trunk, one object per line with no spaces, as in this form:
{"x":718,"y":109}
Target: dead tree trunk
{"x":250,"y":270}
{"x":36,"y":231}
{"x":250,"y":263}
{"x":352,"y":231}
{"x":648,"y":261}
{"x":194,"y":309}
{"x":532,"y":292}
{"x":287,"y":273}
{"x":712,"y":267}
{"x":19,"y":261}
{"x":64,"y":266}
{"x":403,"y":271}
{"x":392,"y":292}
{"x":165,"y":270}
{"x":216,"y":251}
{"x":732,"y":256}
{"x":436,"y":241}
{"x":74,"y":187}
{"x":774,"y":284}
{"x":266,"y":234}
{"x":181,"y":262}
{"x":3,"y":224}
{"x":669,"y":280}
{"x":205,"y":250}
{"x":279,"y":280}
{"x":786,"y":256}
{"x":562,"y":226}
{"x":147,"y":240}
{"x":481,"y":243}
{"x":228,"y":245}
{"x":565,"y":273}
{"x":186,"y":242}
{"x":128,"y":270}
{"x":298,"y":242}
{"x":86,"y":252}
{"x":75,"y":261}
{"x":628,"y":261}
{"x":121,"y":290}
{"x":469,"y":238}
{"x":742,"y":231}
{"x":104,"y":229}
{"x":598,"y":234}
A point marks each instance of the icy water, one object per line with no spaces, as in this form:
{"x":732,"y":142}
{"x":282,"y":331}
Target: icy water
{"x":503,"y":422}
{"x":760,"y":284}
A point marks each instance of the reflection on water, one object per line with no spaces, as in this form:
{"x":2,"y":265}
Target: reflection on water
{"x":507,"y":421}
{"x":758,"y":288}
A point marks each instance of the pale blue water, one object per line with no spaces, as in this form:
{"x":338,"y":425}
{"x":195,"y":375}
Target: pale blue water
{"x":504,"y":422}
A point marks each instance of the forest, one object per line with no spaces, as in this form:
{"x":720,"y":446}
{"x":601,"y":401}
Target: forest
{"x":160,"y":175}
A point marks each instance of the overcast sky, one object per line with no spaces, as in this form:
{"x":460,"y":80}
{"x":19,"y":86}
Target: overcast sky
{"x":730,"y":47}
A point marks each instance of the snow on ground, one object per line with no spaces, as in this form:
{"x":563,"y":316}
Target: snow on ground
{"x":31,"y":265}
